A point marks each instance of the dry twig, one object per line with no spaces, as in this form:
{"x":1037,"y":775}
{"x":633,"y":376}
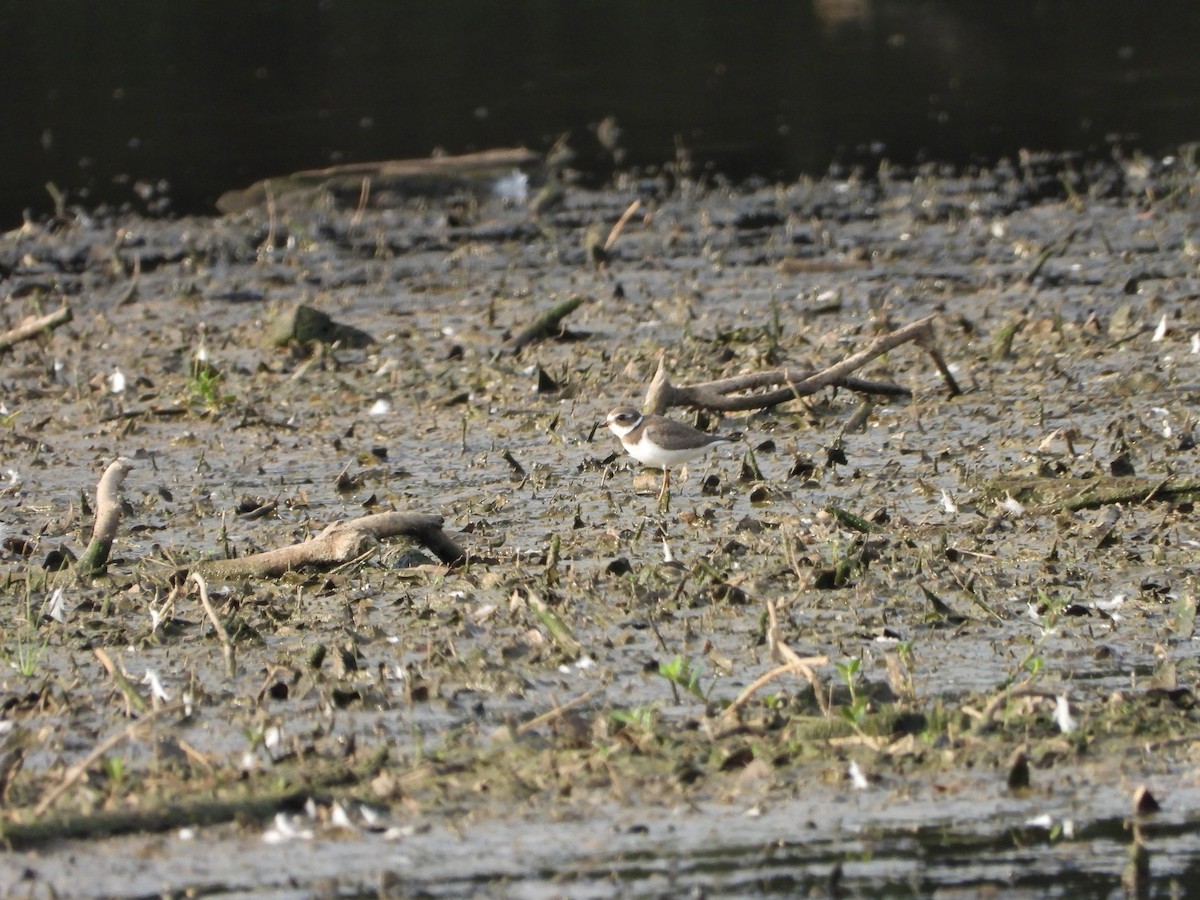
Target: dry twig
{"x":559,"y":631}
{"x":781,"y":651}
{"x":222,"y":634}
{"x":793,"y":663}
{"x":1001,"y":700}
{"x":621,"y":223}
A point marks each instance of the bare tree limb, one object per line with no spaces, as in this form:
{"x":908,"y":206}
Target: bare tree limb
{"x":556,"y":713}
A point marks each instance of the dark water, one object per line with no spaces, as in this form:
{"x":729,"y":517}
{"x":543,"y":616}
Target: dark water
{"x":203,"y":97}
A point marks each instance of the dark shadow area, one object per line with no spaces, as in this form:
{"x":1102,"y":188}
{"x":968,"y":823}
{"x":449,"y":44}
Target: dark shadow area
{"x":127,"y":101}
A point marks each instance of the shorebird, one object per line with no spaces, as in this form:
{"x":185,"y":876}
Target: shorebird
{"x":658,"y":441}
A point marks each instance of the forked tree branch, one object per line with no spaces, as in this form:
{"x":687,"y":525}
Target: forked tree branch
{"x":729,"y":394}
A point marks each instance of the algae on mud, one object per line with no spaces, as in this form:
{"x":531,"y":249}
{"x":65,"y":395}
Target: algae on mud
{"x":430,"y":693}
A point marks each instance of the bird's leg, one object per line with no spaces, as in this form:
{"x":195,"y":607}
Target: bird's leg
{"x":664,"y":495}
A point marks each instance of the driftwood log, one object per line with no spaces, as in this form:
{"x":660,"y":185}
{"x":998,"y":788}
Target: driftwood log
{"x":730,"y":394}
{"x":341,"y":542}
{"x":435,"y":176}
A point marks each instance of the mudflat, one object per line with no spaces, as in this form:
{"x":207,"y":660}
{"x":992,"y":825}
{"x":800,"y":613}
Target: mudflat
{"x":890,"y":642}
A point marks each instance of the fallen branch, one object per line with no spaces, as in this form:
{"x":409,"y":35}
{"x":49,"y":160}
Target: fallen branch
{"x":33,"y":327}
{"x":662,"y":395}
{"x":548,"y":324}
{"x":94,"y":561}
{"x":339,"y":543}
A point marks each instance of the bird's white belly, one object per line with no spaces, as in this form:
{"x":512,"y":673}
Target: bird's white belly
{"x":665,"y":459}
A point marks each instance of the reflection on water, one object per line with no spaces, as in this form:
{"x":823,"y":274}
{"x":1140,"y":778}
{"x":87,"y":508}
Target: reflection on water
{"x":126,"y":100}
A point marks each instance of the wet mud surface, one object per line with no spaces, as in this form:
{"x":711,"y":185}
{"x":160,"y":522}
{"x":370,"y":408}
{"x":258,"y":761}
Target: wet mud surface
{"x":549,"y":719}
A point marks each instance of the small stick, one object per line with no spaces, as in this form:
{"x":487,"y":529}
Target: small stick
{"x":268,"y":246}
{"x":792,"y":663}
{"x":926,"y":341}
{"x":559,"y":631}
{"x":34,"y":327}
{"x":1056,"y":246}
{"x":621,"y":223}
{"x":851,"y":521}
{"x":195,"y":756}
{"x":544,"y":326}
{"x":222,"y":634}
{"x":363,"y":196}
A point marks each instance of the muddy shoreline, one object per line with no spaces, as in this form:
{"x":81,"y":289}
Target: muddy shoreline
{"x":546,"y":720}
